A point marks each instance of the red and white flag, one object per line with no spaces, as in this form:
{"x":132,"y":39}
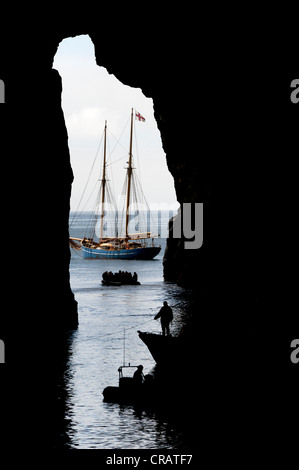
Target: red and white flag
{"x":139,"y":117}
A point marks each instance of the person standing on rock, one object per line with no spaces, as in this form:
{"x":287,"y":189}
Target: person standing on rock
{"x":166,"y":316}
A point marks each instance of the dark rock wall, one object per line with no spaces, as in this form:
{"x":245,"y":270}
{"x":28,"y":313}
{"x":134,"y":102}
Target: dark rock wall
{"x":230,"y":136}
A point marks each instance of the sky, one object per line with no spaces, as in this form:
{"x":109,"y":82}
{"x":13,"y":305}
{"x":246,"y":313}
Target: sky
{"x":90,"y":96}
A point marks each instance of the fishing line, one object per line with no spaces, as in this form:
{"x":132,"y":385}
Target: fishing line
{"x":126,"y":329}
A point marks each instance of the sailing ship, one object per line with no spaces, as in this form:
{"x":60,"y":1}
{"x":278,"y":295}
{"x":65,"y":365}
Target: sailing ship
{"x":139,"y":245}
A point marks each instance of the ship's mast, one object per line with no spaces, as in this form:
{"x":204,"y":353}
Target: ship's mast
{"x":129,"y":169}
{"x":103,"y":183}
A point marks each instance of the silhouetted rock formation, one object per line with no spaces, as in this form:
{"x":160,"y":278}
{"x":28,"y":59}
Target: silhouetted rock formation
{"x":229,"y":132}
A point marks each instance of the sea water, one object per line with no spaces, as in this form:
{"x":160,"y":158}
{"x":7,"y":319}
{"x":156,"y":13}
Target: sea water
{"x":106,"y":338}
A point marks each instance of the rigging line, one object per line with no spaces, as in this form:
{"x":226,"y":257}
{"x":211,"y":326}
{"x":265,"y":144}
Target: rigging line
{"x":80,"y":213}
{"x":115,"y":161}
{"x":96,"y":155}
{"x":117,"y":140}
{"x":76,"y":252}
{"x":137,"y":153}
{"x":126,"y":329}
{"x":111,"y":171}
{"x":142,"y":194}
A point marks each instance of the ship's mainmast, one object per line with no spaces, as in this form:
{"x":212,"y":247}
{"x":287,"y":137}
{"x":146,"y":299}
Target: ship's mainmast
{"x":129,"y":169}
{"x":103,"y":184}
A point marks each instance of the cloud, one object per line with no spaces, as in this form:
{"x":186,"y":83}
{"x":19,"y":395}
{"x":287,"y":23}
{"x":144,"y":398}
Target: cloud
{"x":86,"y":123}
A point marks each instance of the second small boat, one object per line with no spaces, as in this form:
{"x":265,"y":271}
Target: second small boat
{"x":121,"y":278}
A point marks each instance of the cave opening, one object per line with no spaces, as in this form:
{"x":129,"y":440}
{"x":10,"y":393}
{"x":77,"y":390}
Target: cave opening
{"x":90,"y":97}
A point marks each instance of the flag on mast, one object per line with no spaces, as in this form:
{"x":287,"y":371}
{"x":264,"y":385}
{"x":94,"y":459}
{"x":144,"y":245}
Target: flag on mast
{"x":139,"y":117}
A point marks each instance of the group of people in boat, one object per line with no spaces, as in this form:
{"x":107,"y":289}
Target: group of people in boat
{"x":121,"y":276}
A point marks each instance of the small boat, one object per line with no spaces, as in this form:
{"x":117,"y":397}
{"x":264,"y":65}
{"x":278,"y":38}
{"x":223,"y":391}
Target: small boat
{"x":120,"y":283}
{"x":111,"y":283}
{"x":129,"y":246}
{"x":122,"y":278}
{"x":129,"y":390}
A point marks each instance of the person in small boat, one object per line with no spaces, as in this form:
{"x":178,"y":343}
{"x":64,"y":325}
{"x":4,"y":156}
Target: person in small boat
{"x":138,"y":375}
{"x":166,"y":316}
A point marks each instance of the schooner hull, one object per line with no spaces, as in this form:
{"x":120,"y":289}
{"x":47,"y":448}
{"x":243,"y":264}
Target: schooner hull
{"x":144,"y":253}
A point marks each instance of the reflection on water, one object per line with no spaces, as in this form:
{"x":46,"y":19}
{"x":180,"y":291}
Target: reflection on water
{"x":109,"y":318}
{"x":126,"y":428}
{"x":95,"y":353}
